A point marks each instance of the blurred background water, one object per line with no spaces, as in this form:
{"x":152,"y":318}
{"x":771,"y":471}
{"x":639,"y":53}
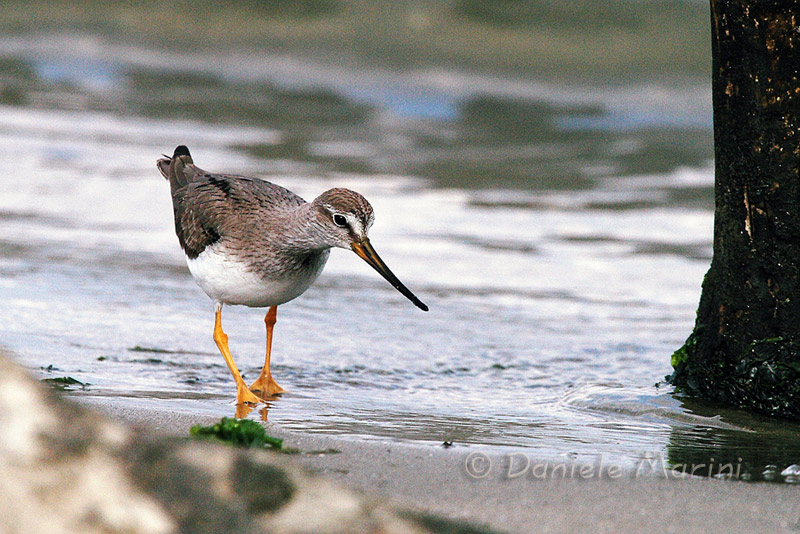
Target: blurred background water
{"x":541,"y":172}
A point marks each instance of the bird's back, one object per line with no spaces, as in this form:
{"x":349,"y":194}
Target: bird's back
{"x":209,"y":207}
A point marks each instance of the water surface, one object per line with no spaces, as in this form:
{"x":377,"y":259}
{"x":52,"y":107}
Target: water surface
{"x":558,"y":226}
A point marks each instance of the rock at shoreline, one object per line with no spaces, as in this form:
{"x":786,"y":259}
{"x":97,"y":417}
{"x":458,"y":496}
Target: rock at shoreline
{"x":67,"y":469}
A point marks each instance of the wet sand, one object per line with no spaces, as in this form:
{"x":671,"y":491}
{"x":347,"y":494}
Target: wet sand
{"x":519,"y":494}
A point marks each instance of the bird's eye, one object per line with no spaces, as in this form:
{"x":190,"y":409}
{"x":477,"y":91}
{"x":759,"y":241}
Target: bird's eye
{"x":339,"y":220}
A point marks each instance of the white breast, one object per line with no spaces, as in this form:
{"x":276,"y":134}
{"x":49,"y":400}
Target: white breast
{"x":229,"y":281}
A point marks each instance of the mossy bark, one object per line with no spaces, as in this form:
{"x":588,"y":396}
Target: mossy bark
{"x":745,"y":348}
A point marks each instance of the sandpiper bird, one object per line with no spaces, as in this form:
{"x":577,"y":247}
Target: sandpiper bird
{"x":254,"y":243}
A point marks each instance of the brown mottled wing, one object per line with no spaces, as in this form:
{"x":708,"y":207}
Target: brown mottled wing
{"x":212,"y":206}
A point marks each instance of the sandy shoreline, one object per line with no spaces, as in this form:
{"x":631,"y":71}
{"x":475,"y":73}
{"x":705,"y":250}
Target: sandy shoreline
{"x":517,"y":494}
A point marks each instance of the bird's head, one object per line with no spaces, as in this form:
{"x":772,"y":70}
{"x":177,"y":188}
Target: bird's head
{"x":345,"y":219}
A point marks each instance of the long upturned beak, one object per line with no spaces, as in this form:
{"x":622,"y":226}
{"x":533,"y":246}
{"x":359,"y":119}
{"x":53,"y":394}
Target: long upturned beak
{"x":367,"y":253}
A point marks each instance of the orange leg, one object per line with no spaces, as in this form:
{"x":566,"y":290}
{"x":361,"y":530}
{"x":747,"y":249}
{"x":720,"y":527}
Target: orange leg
{"x":265,"y":385}
{"x":243,"y":394}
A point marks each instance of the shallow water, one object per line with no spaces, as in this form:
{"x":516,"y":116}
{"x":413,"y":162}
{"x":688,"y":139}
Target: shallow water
{"x":558,"y":230}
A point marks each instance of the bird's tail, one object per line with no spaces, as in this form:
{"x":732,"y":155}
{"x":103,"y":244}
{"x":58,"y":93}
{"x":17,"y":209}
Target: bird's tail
{"x":175,"y":168}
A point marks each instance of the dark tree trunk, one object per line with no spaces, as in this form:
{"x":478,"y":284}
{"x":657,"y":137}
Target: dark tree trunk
{"x":745,"y":347}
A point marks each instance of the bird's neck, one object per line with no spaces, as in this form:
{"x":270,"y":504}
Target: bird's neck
{"x":305,"y":230}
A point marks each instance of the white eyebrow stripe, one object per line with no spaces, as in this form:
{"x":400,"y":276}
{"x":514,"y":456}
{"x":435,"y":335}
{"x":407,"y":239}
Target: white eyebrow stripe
{"x":354,"y":223}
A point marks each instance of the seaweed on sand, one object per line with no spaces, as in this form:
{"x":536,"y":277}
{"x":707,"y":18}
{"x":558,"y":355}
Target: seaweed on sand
{"x":237,"y":432}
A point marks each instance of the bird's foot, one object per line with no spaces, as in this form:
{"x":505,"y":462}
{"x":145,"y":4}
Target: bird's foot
{"x":266,"y":387}
{"x":245,"y":396}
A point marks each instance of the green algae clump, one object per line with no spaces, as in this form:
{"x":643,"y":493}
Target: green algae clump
{"x":237,"y":432}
